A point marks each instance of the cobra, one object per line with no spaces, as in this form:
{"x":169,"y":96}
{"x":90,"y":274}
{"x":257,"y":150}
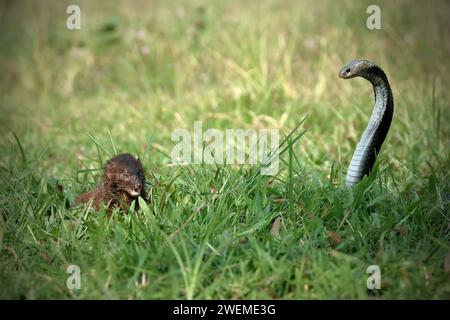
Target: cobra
{"x":373,"y":137}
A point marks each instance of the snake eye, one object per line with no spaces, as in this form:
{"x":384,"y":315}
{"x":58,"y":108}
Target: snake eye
{"x":347,"y":70}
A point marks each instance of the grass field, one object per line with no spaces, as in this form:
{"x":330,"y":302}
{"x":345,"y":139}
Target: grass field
{"x":136,"y":72}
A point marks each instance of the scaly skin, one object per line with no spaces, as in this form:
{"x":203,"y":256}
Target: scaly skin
{"x":370,"y":144}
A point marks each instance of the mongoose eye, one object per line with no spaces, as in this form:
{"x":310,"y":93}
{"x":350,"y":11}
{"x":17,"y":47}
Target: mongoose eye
{"x":124,"y":176}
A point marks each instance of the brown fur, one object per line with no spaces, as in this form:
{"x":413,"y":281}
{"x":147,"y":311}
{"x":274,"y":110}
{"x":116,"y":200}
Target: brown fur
{"x":123,"y":181}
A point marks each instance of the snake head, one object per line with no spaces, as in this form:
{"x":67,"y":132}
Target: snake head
{"x":356,"y":68}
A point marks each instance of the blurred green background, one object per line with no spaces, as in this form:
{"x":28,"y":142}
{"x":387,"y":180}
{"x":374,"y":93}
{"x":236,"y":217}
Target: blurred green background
{"x":141,"y":67}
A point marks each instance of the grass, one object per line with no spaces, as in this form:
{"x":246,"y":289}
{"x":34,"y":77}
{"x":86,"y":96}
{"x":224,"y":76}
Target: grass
{"x":133,"y":74}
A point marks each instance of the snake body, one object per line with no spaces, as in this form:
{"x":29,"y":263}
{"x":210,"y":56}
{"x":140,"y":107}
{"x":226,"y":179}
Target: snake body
{"x":369,"y":146}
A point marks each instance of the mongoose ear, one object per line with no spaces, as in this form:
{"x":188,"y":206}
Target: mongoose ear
{"x":110,"y":169}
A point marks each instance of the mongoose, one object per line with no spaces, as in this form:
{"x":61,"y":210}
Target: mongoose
{"x":123,"y":181}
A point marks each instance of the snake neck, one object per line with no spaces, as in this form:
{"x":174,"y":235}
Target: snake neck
{"x":369,"y":146}
{"x":381,"y":117}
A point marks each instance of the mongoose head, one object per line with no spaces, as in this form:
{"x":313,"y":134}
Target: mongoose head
{"x":124,"y":173}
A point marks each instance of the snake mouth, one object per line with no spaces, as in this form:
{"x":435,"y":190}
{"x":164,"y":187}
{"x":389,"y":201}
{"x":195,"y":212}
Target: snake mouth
{"x":345,"y":73}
